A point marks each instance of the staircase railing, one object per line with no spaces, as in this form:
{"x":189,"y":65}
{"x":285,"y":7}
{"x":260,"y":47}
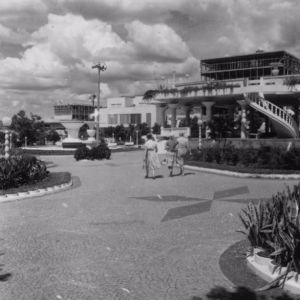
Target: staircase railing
{"x":273,"y":111}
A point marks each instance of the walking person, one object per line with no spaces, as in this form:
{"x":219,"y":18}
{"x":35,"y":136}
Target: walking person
{"x":183,"y":148}
{"x":151,"y":160}
{"x":171,"y":153}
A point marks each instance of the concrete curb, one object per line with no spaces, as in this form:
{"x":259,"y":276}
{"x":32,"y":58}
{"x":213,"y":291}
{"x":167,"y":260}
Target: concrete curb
{"x":243,"y":175}
{"x":35,"y":193}
{"x":268,"y":272}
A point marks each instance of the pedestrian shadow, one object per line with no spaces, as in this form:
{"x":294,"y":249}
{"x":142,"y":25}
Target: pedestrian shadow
{"x":158,"y":176}
{"x":185,"y":174}
{"x":4,"y":276}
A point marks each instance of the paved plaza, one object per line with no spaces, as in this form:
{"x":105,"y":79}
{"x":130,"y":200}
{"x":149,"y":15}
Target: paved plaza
{"x":117,"y":235}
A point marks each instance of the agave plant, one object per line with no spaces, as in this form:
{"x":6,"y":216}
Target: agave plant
{"x":274,"y":226}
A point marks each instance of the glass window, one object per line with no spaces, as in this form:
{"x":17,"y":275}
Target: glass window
{"x":124,"y":118}
{"x":112,"y":119}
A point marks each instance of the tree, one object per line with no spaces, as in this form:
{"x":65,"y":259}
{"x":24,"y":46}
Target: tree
{"x":53,"y":136}
{"x":194,"y":127}
{"x":120,"y":133}
{"x":82,"y":133}
{"x":33,"y":128}
{"x":156,"y":129}
{"x":144,"y":128}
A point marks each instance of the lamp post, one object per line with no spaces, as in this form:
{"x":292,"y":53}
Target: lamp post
{"x":137,"y":138}
{"x":200,"y":133}
{"x":100,"y":67}
{"x":6,"y":123}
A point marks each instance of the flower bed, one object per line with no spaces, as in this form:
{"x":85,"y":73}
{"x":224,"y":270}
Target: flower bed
{"x":265,"y":157}
{"x":274,"y":227}
{"x":21,"y":169}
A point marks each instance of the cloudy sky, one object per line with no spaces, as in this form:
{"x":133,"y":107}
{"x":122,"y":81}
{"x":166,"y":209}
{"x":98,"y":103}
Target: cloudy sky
{"x":47,"y":47}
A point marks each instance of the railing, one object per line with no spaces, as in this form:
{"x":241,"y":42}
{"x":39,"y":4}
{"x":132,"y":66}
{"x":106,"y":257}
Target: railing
{"x":268,"y":84}
{"x":275,"y":112}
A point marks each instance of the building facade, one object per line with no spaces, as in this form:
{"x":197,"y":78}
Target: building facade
{"x":128,"y":110}
{"x":265,"y":83}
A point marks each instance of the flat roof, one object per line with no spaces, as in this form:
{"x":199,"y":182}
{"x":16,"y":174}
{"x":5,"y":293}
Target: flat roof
{"x":256,"y":55}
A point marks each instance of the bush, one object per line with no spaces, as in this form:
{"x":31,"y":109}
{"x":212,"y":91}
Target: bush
{"x":82,"y":152}
{"x":21,"y":169}
{"x":264,"y":158}
{"x":100,"y":152}
{"x":274,"y":225}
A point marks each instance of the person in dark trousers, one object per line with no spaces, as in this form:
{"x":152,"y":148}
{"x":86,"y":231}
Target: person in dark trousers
{"x":171,"y":153}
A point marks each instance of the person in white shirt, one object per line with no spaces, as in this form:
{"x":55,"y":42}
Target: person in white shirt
{"x":151,"y":160}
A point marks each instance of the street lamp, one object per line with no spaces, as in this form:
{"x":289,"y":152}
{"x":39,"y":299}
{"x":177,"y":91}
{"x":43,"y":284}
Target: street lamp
{"x":6,"y":121}
{"x":100,"y":67}
{"x":200,"y":122}
{"x":137,"y":138}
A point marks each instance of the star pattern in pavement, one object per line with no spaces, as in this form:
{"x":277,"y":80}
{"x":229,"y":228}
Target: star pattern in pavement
{"x":203,"y":205}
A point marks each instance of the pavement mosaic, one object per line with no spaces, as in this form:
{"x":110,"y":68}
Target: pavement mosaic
{"x":116,"y":235}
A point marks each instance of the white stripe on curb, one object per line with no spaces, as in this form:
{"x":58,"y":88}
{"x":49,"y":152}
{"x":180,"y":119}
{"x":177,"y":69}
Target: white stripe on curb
{"x":243,"y":175}
{"x":35,"y":193}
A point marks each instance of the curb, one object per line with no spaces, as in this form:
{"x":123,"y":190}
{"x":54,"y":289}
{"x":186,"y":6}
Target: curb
{"x":267,"y":271}
{"x":35,"y":193}
{"x":243,"y":175}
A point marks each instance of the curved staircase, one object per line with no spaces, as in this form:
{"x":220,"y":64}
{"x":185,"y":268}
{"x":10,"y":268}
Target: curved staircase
{"x":284,"y":124}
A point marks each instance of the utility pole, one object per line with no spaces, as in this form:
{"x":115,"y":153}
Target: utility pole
{"x":100,"y":67}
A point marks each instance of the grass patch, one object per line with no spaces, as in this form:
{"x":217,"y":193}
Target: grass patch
{"x":238,"y":168}
{"x":54,"y":178}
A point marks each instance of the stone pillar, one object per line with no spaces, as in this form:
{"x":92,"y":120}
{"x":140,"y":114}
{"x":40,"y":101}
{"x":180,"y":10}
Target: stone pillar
{"x":208,"y":106}
{"x":162,"y":109}
{"x":187,"y":115}
{"x":173,"y":108}
{"x":243,"y":105}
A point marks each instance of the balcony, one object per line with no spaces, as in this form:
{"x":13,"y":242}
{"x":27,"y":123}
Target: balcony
{"x":288,"y":84}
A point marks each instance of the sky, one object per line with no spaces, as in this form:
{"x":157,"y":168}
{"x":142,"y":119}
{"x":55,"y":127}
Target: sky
{"x":48,"y":47}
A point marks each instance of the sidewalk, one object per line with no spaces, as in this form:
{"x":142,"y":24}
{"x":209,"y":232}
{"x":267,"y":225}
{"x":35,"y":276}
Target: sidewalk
{"x":120,"y":236}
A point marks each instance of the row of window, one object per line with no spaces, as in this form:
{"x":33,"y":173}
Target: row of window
{"x":114,"y":119}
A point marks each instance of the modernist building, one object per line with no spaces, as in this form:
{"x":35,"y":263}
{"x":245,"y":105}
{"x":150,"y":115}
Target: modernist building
{"x":127,"y":110}
{"x":266,"y":82}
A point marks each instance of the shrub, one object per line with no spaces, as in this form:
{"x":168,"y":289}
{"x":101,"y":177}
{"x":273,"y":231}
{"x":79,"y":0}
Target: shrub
{"x":82,"y":152}
{"x":265,"y":157}
{"x":274,"y":225}
{"x":21,"y":169}
{"x":99,"y":152}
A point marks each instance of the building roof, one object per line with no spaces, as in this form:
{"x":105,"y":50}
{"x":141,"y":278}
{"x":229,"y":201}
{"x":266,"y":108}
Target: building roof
{"x":256,"y":55}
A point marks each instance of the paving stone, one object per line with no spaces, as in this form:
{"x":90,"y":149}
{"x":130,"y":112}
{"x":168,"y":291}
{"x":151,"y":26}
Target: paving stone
{"x":104,"y":239}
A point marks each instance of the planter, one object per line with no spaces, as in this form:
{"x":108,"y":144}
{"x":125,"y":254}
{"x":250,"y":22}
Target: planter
{"x":264,"y":268}
{"x":261,"y":257}
{"x":275,"y":72}
{"x":274,"y":269}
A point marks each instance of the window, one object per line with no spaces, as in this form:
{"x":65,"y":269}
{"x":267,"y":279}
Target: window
{"x":125,"y":119}
{"x":112,"y":119}
{"x":148,"y":119}
{"x":135,"y":119}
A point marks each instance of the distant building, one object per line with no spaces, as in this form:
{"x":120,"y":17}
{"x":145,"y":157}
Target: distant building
{"x":69,"y":112}
{"x":128,"y":110}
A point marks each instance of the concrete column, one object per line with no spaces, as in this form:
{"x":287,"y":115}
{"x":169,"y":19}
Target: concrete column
{"x":208,"y":106}
{"x":243,"y":105}
{"x":173,"y":108}
{"x":162,"y":117}
{"x":187,"y":115}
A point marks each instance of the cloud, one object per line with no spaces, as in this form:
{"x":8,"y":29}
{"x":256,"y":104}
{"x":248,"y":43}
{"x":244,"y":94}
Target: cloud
{"x":156,"y":42}
{"x":47,"y":47}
